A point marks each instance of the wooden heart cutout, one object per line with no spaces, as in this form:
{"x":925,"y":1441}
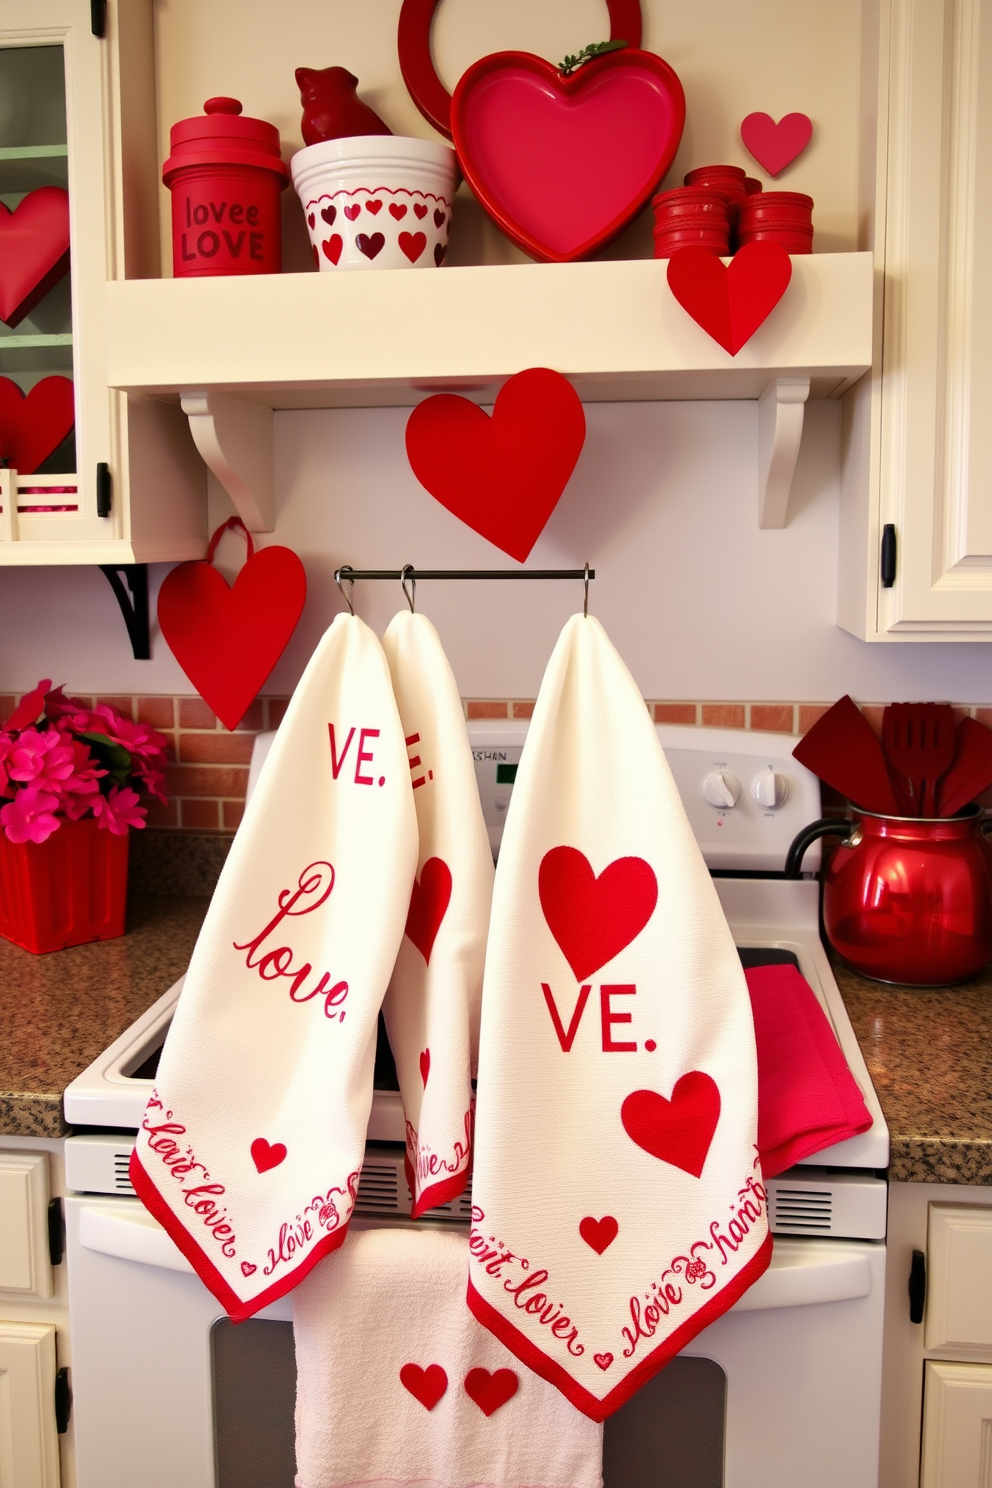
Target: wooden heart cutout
{"x":490,"y":1391}
{"x":426,"y":1385}
{"x":266,"y":1155}
{"x":593,"y":919}
{"x":227,"y":638}
{"x":677,"y":1131}
{"x":32,"y":426}
{"x":774,"y":146}
{"x":599,"y":1234}
{"x":428,"y":907}
{"x":34,"y":250}
{"x":563,"y":163}
{"x":730,"y":303}
{"x":501,"y":475}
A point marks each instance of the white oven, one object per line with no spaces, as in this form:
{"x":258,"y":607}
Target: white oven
{"x":782,"y":1391}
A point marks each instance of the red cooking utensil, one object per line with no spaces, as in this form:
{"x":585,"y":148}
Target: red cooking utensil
{"x":919,"y":743}
{"x":844,"y":752}
{"x":971,"y":772}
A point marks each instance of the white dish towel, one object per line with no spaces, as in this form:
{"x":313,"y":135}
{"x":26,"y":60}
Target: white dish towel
{"x":618,"y":1202}
{"x":252,"y":1143}
{"x":432,"y":1005}
{"x":397,"y":1383}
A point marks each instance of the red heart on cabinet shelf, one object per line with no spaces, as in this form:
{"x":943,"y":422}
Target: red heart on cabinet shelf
{"x":501,"y":475}
{"x":34,"y":250}
{"x":774,"y":146}
{"x":730,"y":303}
{"x":33,"y":425}
{"x":227,"y":638}
{"x":562,"y":164}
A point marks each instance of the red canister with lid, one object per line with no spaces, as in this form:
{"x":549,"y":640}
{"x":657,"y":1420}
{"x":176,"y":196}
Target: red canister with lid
{"x":690,"y":217}
{"x":225,"y":174}
{"x":783,"y":217}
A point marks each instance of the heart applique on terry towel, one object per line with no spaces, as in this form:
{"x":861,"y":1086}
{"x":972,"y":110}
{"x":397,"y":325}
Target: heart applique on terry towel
{"x":599,"y":1234}
{"x":677,"y":1131}
{"x":591,"y":918}
{"x":426,"y":1385}
{"x":428,"y":905}
{"x":266,"y":1155}
{"x":490,"y":1391}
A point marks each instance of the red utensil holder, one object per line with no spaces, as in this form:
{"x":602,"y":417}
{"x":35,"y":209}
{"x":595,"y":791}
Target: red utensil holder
{"x":67,"y":890}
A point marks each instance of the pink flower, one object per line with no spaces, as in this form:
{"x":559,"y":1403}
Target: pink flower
{"x":82,"y":789}
{"x":119,"y":810}
{"x":44,"y":758}
{"x":28,"y":817}
{"x":6,"y":744}
{"x":137,"y":738}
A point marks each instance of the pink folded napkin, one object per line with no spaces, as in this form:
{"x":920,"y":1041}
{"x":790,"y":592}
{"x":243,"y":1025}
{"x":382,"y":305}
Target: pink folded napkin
{"x":807,"y":1097}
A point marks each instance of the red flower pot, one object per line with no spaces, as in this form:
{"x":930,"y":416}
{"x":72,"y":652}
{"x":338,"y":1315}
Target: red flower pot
{"x":65,"y":891}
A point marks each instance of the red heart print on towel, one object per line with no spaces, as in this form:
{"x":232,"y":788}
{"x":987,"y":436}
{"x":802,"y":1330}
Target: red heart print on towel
{"x":501,"y":475}
{"x":412,"y":244}
{"x":267,"y":1155}
{"x":329,"y":214}
{"x":369,"y":243}
{"x":420,"y":209}
{"x":593,"y":919}
{"x":603,"y":1360}
{"x":428,"y":905}
{"x":34,"y":250}
{"x":375,"y":207}
{"x":426,"y":1385}
{"x":425,"y":1066}
{"x":352,"y":211}
{"x":247,"y":1269}
{"x":332,"y":247}
{"x":677,"y":1131}
{"x":33,"y":425}
{"x":599,"y":1234}
{"x":490,"y":1391}
{"x":730,"y":303}
{"x":774,"y":146}
{"x":397,"y":210}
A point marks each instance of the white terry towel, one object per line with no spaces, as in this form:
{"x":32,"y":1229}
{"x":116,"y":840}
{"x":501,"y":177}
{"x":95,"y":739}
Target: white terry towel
{"x":397,"y":1383}
{"x":432,"y":1005}
{"x":618,"y":1198}
{"x":252,"y":1143}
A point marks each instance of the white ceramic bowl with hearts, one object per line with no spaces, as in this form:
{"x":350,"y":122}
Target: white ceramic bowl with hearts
{"x":377,"y":201}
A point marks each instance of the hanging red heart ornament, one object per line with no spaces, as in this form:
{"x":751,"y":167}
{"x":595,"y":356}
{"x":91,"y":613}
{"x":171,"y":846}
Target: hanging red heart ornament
{"x":34,"y":250}
{"x":730,"y":303}
{"x":501,"y":475}
{"x":227,"y":638}
{"x":33,"y":425}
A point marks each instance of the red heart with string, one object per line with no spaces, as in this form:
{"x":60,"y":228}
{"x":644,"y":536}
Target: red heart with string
{"x":227,"y":638}
{"x":593,"y":919}
{"x":34,"y":424}
{"x":677,"y":1131}
{"x":502,"y":475}
{"x":34,"y":250}
{"x":428,"y":906}
{"x":730,"y":303}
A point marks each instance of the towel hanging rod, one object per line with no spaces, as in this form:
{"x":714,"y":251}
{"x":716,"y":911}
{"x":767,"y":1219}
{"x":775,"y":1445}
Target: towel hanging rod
{"x":349,"y":575}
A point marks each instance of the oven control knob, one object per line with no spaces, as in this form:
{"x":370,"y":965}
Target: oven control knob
{"x":721,"y":789}
{"x":770,"y":789}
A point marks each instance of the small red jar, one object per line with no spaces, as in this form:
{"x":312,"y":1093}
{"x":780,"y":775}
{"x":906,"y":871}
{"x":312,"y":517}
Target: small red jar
{"x":225,"y":174}
{"x":690,"y":217}
{"x":783,"y":217}
{"x":731,"y":181}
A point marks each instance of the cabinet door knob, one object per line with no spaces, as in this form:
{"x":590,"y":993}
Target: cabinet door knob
{"x":917,"y":1287}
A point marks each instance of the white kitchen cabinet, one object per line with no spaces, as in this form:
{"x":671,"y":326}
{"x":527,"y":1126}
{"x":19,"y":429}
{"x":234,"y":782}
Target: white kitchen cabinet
{"x":29,"y":1446}
{"x":957,"y":1426}
{"x":25,"y":1266}
{"x":78,"y":110}
{"x":918,"y":438}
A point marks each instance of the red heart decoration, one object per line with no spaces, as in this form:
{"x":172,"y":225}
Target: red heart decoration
{"x":265,"y":1155}
{"x":603,"y":1360}
{"x":374,"y":207}
{"x":599,"y":1234}
{"x":311,"y":220}
{"x":352,"y":212}
{"x":332,"y":247}
{"x":328,"y":214}
{"x":774,"y":146}
{"x":591,"y":918}
{"x":502,"y":476}
{"x":440,"y":252}
{"x":730,"y":303}
{"x":397,"y":210}
{"x":439,"y":217}
{"x":34,"y":250}
{"x":33,"y":425}
{"x":426,"y":1385}
{"x":428,"y":907}
{"x":413,"y":244}
{"x":678,"y":1131}
{"x":369,"y":243}
{"x":420,"y":209}
{"x":247,"y":1269}
{"x":490,"y":1391}
{"x":562,"y":164}
{"x":425,"y":1066}
{"x":228,"y":639}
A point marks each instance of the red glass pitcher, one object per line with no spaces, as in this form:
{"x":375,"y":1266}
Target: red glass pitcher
{"x":907,"y":899}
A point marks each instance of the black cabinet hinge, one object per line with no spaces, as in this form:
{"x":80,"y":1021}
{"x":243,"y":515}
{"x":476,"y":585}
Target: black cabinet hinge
{"x":56,"y":1232}
{"x":104,"y":489}
{"x":917,"y":1287}
{"x":63,"y":1401}
{"x":888,"y":560}
{"x":98,"y":17}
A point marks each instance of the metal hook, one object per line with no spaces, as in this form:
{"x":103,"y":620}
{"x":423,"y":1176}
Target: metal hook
{"x":345,"y":574}
{"x":585,"y":601}
{"x":407,"y":572}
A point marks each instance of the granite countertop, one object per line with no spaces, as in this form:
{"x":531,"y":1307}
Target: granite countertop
{"x":59,"y":1011}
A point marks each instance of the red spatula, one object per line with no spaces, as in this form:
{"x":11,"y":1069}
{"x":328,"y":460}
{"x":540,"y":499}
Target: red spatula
{"x":843,"y":751}
{"x":971,"y":771}
{"x":919,"y":743}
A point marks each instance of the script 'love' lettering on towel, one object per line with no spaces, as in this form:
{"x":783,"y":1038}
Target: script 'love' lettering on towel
{"x":251,"y":1146}
{"x":619,"y":1206}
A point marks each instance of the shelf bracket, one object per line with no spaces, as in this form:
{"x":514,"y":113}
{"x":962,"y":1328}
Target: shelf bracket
{"x":234,"y":438}
{"x":134,"y":606}
{"x":781,"y":408}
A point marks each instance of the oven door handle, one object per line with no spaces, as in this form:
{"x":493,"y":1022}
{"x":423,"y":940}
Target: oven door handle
{"x":131,"y":1234}
{"x":797,"y":1278}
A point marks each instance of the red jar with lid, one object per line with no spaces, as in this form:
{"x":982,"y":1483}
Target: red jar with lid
{"x":783,"y":217}
{"x":690,"y":217}
{"x":225,"y":174}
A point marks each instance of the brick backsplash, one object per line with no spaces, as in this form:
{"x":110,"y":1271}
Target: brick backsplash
{"x":208,"y":766}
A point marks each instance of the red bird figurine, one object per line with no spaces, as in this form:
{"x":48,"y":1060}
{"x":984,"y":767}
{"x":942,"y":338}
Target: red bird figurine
{"x":331,"y":107}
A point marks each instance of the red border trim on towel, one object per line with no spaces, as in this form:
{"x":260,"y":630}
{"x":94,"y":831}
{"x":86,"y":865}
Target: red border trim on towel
{"x":590,"y":1405}
{"x":438,"y":1193}
{"x":237,"y":1310}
